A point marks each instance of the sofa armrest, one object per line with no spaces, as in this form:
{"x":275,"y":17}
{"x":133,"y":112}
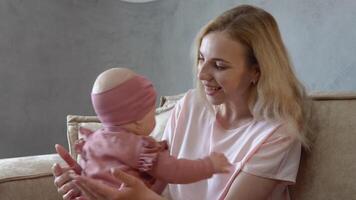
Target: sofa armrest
{"x":28,"y":177}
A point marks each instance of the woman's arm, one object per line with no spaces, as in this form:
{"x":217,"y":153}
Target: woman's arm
{"x":248,"y":186}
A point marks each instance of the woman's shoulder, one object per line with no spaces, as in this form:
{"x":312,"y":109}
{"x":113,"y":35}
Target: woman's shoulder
{"x":277,"y":130}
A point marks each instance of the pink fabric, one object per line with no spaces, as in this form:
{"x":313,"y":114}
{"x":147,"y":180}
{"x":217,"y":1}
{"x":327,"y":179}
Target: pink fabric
{"x":125,"y":103}
{"x":254,"y":148}
{"x":140,"y":156}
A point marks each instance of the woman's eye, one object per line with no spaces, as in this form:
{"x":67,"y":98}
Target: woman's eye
{"x":219,"y":67}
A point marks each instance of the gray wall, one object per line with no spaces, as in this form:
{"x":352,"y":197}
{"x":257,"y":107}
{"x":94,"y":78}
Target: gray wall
{"x":52,"y":50}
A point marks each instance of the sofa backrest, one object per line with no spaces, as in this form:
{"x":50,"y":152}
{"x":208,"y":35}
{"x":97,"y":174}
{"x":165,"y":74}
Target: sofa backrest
{"x":327,"y":171}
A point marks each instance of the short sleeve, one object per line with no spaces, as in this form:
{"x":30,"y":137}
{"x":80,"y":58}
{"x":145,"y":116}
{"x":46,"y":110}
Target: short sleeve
{"x":277,"y":158}
{"x":172,"y":120}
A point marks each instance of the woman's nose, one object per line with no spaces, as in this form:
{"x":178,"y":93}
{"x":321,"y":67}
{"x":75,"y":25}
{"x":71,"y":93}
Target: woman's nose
{"x":203,"y":72}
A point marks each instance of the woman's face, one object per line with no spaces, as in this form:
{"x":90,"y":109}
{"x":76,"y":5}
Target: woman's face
{"x":223,"y":71}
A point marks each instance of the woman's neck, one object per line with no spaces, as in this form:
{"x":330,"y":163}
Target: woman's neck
{"x":232,"y":116}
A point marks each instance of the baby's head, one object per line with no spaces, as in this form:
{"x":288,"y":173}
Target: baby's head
{"x":121,"y":98}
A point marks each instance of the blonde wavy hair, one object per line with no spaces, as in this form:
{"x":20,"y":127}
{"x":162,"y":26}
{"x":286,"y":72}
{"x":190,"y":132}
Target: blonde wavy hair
{"x":278,"y":95}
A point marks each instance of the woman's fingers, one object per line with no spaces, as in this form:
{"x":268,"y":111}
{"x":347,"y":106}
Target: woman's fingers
{"x":67,"y":187}
{"x":63,"y":182}
{"x":96,"y":188}
{"x":64,"y":178}
{"x":57,"y":169}
{"x":81,"y":198}
{"x":127,"y":179}
{"x":63,"y":153}
{"x":132,"y":188}
{"x":85,"y":191}
{"x":69,"y":195}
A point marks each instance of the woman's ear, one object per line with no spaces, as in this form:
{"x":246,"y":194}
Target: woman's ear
{"x":255,"y":74}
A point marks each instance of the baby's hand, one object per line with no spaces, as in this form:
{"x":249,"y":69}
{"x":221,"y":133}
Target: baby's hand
{"x":220,"y":163}
{"x":78,"y":145}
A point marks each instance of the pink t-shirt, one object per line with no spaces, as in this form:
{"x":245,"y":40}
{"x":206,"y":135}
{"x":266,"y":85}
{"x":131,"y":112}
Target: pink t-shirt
{"x":255,"y":148}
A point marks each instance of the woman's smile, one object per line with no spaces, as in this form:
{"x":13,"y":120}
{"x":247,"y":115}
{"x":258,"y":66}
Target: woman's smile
{"x":211,"y":90}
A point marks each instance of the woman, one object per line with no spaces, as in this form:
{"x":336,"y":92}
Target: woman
{"x":248,"y":104}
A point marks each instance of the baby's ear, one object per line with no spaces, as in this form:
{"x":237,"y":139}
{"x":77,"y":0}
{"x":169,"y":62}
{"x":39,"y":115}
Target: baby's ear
{"x":85,"y":132}
{"x":138,"y":125}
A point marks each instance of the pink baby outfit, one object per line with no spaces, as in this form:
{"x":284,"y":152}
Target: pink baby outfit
{"x":114,"y":147}
{"x":255,"y":148}
{"x":140,"y":156}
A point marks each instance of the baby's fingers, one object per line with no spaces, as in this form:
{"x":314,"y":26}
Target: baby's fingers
{"x":226,"y":169}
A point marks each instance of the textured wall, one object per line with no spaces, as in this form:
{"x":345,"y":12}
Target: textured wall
{"x":52,"y":50}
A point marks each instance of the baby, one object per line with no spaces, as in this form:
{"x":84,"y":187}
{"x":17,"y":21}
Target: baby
{"x":125,"y":104}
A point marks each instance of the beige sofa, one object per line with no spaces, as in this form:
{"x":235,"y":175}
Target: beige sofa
{"x":327,"y":172}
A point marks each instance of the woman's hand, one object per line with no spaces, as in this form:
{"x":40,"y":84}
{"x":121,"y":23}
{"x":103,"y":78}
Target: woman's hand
{"x":63,"y":175}
{"x":131,"y":189}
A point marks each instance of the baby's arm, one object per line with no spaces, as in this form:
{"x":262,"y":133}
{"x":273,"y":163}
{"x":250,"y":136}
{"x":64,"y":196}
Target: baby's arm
{"x":183,"y":171}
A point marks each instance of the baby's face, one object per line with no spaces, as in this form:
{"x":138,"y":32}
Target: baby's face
{"x":148,"y":122}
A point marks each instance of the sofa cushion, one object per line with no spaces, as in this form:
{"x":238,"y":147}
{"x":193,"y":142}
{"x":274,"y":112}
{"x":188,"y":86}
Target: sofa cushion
{"x":31,"y":175}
